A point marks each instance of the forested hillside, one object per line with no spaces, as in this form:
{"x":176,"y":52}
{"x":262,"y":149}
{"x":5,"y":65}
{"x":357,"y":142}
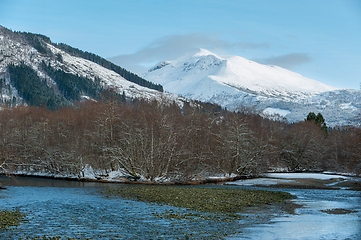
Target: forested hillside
{"x":157,"y":142}
{"x":73,"y":86}
{"x":32,"y":89}
{"x":38,"y":42}
{"x":35,"y":71}
{"x":111,"y":66}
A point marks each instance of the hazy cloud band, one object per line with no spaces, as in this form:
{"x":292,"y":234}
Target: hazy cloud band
{"x":288,"y":61}
{"x":174,"y":46}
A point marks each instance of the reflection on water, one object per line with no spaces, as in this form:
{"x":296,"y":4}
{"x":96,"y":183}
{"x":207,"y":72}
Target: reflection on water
{"x":79,"y":210}
{"x":46,"y":182}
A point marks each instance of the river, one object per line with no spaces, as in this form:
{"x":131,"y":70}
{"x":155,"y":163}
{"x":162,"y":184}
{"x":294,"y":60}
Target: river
{"x":80,"y":210}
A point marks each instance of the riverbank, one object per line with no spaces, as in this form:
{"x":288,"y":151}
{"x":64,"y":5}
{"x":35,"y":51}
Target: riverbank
{"x":325,"y":181}
{"x":109,"y":178}
{"x":282,"y":180}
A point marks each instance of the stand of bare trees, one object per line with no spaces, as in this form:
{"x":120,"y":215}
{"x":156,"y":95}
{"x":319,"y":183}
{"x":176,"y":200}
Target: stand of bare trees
{"x":156,"y":142}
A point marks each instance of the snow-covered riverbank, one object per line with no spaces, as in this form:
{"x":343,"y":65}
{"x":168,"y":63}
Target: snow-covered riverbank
{"x":325,"y":180}
{"x":303,"y":180}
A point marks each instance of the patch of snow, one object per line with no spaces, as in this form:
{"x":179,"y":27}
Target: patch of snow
{"x":159,"y":66}
{"x":348,"y":106}
{"x":259,"y":181}
{"x":341,"y":173}
{"x":320,"y":176}
{"x":88,"y":172}
{"x":274,"y":111}
{"x":116,"y":175}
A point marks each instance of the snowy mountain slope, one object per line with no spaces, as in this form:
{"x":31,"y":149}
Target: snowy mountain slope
{"x":16,"y":50}
{"x":339,"y":107}
{"x":232,"y":74}
{"x":233,"y":82}
{"x":86,"y":68}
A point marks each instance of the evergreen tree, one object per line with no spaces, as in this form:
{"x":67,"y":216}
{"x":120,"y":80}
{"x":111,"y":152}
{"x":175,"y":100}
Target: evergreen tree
{"x":318,"y":119}
{"x":32,"y":89}
{"x":73,"y":86}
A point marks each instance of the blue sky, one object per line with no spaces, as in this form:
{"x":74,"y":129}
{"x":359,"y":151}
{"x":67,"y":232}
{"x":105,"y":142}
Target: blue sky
{"x":318,"y":39}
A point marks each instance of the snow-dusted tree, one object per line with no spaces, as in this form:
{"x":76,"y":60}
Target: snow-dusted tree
{"x":242,"y":151}
{"x":144,"y":141}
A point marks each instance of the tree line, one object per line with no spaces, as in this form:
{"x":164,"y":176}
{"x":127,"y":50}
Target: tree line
{"x":73,"y":86}
{"x":161,"y":141}
{"x":109,"y":65}
{"x":33,"y":89}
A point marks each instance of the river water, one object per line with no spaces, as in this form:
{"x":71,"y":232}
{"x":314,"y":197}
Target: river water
{"x":79,"y":210}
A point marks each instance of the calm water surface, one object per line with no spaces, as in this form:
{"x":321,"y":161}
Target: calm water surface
{"x":80,"y":210}
{"x":309,"y":222}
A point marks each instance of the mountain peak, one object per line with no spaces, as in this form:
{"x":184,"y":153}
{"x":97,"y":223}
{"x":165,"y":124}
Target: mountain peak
{"x":204,"y":52}
{"x":233,"y":81}
{"x":234,"y":73}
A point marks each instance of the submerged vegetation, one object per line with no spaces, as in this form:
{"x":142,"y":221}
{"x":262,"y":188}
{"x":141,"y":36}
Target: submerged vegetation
{"x":10,"y":219}
{"x":339,"y":211}
{"x":226,"y":203}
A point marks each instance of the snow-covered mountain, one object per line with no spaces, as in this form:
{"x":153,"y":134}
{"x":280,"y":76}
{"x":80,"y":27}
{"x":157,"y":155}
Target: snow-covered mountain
{"x":34,"y":49}
{"x":233,"y":82}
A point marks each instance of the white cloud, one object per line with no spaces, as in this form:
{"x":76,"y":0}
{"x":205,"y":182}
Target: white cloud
{"x":288,"y":61}
{"x":174,"y":46}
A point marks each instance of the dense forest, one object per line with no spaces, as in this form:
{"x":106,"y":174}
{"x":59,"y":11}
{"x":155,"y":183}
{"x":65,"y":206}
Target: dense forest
{"x":160,"y":141}
{"x":73,"y":86}
{"x":32,"y":89}
{"x":35,"y":91}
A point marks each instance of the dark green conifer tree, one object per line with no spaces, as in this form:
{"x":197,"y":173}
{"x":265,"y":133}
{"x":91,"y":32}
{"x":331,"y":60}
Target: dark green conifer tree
{"x":318,"y":119}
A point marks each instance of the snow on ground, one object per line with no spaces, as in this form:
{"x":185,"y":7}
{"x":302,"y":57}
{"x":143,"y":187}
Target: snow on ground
{"x":348,"y":106}
{"x":87,"y":173}
{"x":320,"y":176}
{"x":273,"y":111}
{"x":281,"y":178}
{"x":259,"y":181}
